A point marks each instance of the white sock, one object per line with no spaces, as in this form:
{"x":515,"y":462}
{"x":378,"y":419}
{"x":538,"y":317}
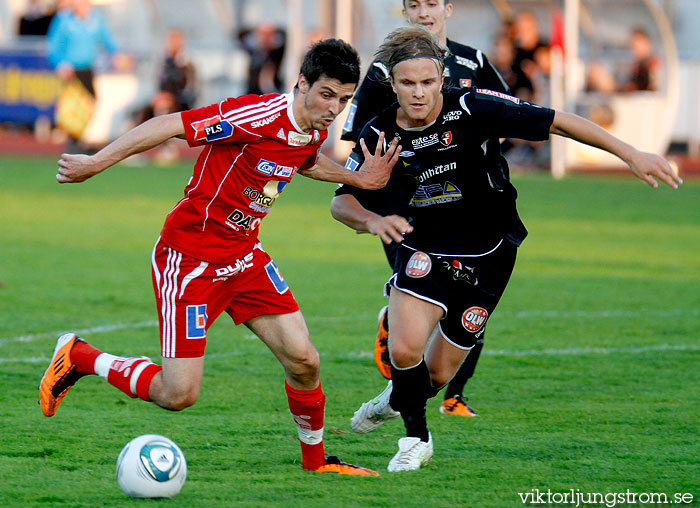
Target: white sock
{"x":103,"y":363}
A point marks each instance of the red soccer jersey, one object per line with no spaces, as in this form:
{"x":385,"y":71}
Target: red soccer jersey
{"x":253,"y":147}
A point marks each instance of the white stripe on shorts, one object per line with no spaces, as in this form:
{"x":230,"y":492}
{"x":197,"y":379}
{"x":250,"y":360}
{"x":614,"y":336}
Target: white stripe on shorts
{"x":168,"y":294}
{"x":156,"y":271}
{"x":192,"y":275}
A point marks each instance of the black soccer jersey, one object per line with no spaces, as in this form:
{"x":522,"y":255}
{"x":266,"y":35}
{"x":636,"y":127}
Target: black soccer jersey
{"x":458,"y":201}
{"x":464,"y":67}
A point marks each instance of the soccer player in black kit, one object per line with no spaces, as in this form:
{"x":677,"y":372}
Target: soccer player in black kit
{"x":464,"y":67}
{"x":458,"y":220}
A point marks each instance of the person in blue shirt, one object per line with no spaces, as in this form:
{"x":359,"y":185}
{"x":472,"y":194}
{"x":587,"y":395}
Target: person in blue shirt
{"x":75,"y":37}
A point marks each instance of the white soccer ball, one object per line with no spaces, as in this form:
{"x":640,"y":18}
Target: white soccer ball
{"x":151,"y":466}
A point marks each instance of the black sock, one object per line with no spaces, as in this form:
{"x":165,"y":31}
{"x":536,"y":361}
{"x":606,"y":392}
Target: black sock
{"x":409,"y":395}
{"x":464,"y":373}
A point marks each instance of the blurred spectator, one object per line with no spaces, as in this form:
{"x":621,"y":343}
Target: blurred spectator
{"x":541,"y":76}
{"x":599,"y":79}
{"x":36,"y":19}
{"x":177,"y":91}
{"x":644,"y":72}
{"x":526,"y":35}
{"x":523,"y":59}
{"x":177,"y":80}
{"x":503,"y":59}
{"x":74,"y":38}
{"x":265,"y":45}
{"x":315,"y":35}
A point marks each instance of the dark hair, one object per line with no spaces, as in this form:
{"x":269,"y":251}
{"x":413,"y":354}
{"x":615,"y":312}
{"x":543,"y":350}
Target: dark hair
{"x":332,"y":58}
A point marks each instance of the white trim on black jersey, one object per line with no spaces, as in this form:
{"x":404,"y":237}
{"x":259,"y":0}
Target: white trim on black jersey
{"x":457,"y":255}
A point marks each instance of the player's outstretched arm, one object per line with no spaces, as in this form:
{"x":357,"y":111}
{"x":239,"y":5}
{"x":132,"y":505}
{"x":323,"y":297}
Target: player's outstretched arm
{"x":373,"y":174}
{"x":347,"y":209}
{"x":646,"y":166}
{"x":73,"y":168}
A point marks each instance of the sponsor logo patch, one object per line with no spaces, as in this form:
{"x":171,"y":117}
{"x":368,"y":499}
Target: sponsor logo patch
{"x":239,"y":220}
{"x":234,"y":268}
{"x":437,"y":170}
{"x":407,"y":153}
{"x":460,"y":271}
{"x":284,"y":171}
{"x":424,"y":141}
{"x":500,"y":95}
{"x":298,"y":139}
{"x":281,"y":135}
{"x":212,"y":129}
{"x":419,"y":265}
{"x":262,"y":200}
{"x":196,"y":321}
{"x":474,"y":319}
{"x":265,"y":121}
{"x":265,"y":167}
{"x":276,"y":277}
{"x":352,"y":163}
{"x":451,"y":116}
{"x":272,"y":191}
{"x":350,"y":120}
{"x":436,"y":193}
{"x":466,"y":62}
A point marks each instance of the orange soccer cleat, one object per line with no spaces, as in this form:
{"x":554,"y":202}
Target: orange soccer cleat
{"x":381,"y":345}
{"x":336,"y":466}
{"x":59,"y":376}
{"x":456,"y":406}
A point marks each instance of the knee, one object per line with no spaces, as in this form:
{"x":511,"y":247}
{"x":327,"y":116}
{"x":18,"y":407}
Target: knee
{"x":438,"y":377}
{"x":403,"y":356}
{"x":177,"y":399}
{"x":305,"y":364}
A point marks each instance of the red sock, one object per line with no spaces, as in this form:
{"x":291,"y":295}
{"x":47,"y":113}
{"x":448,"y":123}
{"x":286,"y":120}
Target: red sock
{"x":133,"y":376}
{"x":307,"y":407}
{"x":84,"y":356}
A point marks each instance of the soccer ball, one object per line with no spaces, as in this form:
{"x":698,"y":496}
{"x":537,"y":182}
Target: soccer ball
{"x":151,"y":466}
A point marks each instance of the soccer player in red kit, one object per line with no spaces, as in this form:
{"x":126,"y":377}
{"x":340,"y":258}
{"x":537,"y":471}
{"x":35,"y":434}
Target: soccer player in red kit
{"x":208,"y":259}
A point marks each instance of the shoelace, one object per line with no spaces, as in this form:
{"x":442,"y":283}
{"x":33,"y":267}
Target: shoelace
{"x":408,"y":456}
{"x":459,"y":399}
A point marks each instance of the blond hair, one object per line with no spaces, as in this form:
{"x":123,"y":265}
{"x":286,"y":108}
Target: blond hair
{"x":411,"y":42}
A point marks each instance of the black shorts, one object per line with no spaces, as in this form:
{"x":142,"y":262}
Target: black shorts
{"x":467,"y":288}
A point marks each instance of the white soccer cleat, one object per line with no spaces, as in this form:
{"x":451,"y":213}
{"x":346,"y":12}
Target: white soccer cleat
{"x":374,"y":412}
{"x":413,"y":453}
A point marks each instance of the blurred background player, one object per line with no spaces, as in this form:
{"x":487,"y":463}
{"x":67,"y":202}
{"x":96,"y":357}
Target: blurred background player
{"x":76,"y":35}
{"x":464,"y":67}
{"x":36,"y":19}
{"x":639,"y":74}
{"x":177,"y":80}
{"x":208,"y":259}
{"x":265,"y":46}
{"x":177,"y":90}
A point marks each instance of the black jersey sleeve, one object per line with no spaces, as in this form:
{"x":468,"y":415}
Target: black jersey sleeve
{"x":374,"y":95}
{"x":367,"y":198}
{"x":501,"y":115}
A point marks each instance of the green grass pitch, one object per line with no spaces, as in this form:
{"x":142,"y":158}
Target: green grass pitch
{"x":590,"y":378}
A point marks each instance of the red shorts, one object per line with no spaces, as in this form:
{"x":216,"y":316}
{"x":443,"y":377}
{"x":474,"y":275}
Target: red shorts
{"x":190,"y":295}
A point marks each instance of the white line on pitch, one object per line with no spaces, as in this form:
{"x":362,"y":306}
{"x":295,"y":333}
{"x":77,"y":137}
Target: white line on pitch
{"x":333,"y":319}
{"x":494,"y":352}
{"x":85,"y":331}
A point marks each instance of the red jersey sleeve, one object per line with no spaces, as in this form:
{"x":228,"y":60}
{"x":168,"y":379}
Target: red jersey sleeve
{"x":216,"y":123}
